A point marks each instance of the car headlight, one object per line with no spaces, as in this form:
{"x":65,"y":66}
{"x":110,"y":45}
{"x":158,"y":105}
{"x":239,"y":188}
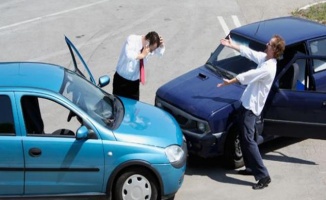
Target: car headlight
{"x":203,"y":127}
{"x":175,"y":155}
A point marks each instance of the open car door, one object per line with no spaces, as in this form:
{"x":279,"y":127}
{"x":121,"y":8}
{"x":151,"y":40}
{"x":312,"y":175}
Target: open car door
{"x":79,"y":62}
{"x":299,"y":111}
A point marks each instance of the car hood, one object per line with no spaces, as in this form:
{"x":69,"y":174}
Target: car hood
{"x":196,"y":93}
{"x":146,"y":124}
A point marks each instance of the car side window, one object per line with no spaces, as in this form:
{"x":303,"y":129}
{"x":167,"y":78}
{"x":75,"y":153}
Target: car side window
{"x":319,"y":74}
{"x":7,"y":125}
{"x":295,"y":77}
{"x":319,"y":65}
{"x":318,"y":47}
{"x":48,"y":118}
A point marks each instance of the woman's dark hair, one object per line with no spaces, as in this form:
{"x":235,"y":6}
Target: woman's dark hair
{"x":153,"y":38}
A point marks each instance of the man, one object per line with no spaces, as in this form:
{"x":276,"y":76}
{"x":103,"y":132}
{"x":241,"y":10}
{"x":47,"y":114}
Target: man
{"x":134,"y":55}
{"x":259,"y":82}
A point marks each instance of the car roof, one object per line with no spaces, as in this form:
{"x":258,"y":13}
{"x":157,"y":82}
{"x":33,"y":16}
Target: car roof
{"x":31,"y":75}
{"x":291,"y":29}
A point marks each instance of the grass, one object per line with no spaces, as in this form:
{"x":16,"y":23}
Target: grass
{"x":315,"y":12}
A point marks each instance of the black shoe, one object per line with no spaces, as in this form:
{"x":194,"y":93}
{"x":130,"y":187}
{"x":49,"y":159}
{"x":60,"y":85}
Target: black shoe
{"x":245,"y":172}
{"x":262,"y":183}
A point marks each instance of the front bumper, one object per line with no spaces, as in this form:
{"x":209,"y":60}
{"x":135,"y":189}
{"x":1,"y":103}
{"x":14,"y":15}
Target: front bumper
{"x":172,"y":178}
{"x":202,"y":144}
{"x":205,"y":145}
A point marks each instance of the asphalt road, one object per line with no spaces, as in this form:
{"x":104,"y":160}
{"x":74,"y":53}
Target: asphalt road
{"x":34,"y":31}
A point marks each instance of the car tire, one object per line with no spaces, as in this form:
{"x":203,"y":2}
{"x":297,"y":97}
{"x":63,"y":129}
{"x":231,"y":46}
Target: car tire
{"x":136,"y":183}
{"x":233,"y":158}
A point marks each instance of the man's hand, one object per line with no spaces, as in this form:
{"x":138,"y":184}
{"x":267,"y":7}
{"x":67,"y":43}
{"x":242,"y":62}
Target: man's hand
{"x":145,"y":51}
{"x":227,"y":82}
{"x":227,"y":42}
{"x":161,"y":42}
{"x":224,"y":83}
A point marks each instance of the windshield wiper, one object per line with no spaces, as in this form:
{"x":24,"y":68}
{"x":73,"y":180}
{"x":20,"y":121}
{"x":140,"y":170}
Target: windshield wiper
{"x":226,"y":74}
{"x":221,"y":72}
{"x":211,"y":67}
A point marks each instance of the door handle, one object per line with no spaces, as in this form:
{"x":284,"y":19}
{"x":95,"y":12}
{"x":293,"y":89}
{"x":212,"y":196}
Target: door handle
{"x":35,"y":152}
{"x":324,"y":103}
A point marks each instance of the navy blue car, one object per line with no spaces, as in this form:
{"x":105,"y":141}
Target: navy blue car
{"x":296,"y":105}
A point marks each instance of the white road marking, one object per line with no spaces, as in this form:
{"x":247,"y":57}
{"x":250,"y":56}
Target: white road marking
{"x":223,"y":24}
{"x":50,"y":15}
{"x":236,"y":21}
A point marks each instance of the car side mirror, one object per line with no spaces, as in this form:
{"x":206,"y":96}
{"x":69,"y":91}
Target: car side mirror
{"x":82,"y":133}
{"x":103,"y":81}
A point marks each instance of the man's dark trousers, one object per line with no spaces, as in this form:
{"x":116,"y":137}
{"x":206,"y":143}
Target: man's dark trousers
{"x":125,"y":88}
{"x":249,"y":146}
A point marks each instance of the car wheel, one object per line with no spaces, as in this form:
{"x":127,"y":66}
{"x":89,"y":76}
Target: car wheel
{"x":232,"y":151}
{"x":136,"y":184}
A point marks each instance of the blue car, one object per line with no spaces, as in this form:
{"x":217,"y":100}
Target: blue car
{"x":296,"y":105}
{"x":62,"y":135}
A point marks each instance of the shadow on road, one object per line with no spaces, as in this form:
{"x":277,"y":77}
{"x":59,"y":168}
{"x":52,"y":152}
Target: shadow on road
{"x":213,"y":167}
{"x":279,"y":143}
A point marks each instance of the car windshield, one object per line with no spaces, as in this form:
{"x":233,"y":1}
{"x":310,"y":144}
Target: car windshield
{"x":228,"y":63}
{"x":101,"y":106}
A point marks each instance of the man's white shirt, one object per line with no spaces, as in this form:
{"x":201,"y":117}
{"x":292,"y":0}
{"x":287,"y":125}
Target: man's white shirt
{"x":259,"y":81}
{"x":128,"y":64}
